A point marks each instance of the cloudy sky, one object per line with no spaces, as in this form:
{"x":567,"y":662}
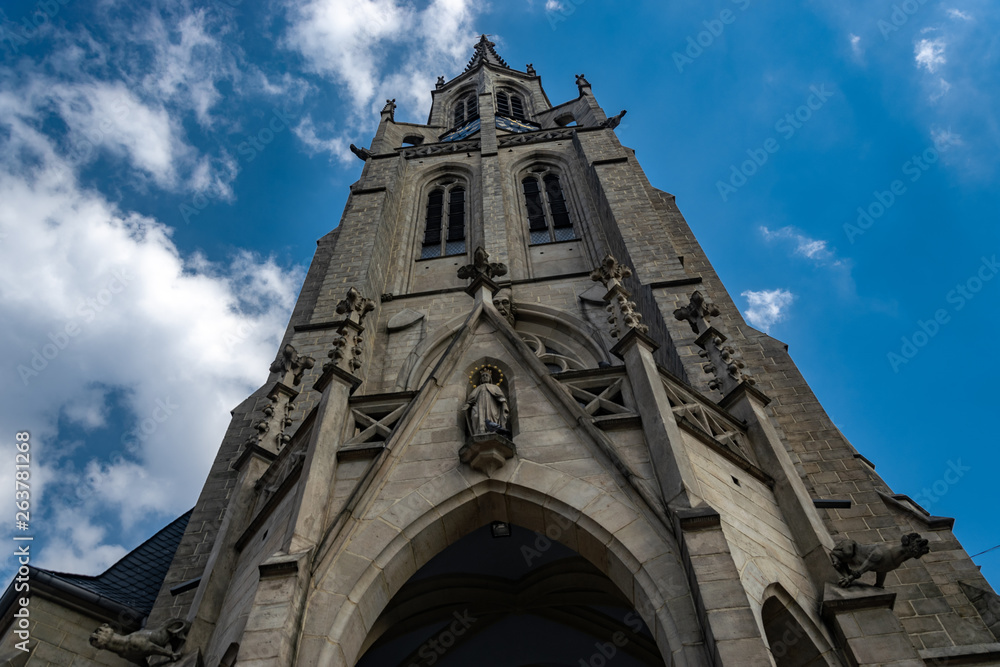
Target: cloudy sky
{"x":166,"y":167}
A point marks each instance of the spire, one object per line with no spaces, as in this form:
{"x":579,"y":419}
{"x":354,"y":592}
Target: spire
{"x":485,"y":53}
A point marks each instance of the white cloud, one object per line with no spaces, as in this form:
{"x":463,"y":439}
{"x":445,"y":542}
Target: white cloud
{"x":945,"y":139}
{"x":814,"y":249}
{"x":942,"y":89}
{"x":357,"y":43}
{"x":959,"y":14}
{"x":929,"y":54}
{"x":107,"y":310}
{"x":856,"y":45}
{"x":554,"y":6}
{"x":767,"y":307}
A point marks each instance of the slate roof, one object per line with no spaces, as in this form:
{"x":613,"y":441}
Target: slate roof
{"x":135,"y":580}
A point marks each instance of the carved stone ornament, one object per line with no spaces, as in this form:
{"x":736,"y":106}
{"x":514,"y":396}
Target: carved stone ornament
{"x":623,"y":315}
{"x":581,"y":81}
{"x":390,"y":108}
{"x":697,"y":312}
{"x":610,"y":272}
{"x":614,"y":121}
{"x":482,"y":266}
{"x":289,"y":362}
{"x":440,"y":82}
{"x":362,"y":153}
{"x":348,"y":345}
{"x":530,"y":70}
{"x":852,"y":560}
{"x":164,"y":641}
{"x":503,"y":301}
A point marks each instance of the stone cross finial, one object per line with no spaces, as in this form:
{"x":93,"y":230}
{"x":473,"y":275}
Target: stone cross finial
{"x":722,"y":361}
{"x":623,"y":313}
{"x":610,"y":272}
{"x":530,"y":69}
{"x":581,"y":81}
{"x":440,"y":82}
{"x":291,"y":365}
{"x":482,"y":266}
{"x":390,"y":108}
{"x":697,"y":313}
{"x":348,"y":346}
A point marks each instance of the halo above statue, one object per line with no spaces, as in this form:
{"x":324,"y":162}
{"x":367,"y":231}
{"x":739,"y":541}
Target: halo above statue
{"x":474,"y":374}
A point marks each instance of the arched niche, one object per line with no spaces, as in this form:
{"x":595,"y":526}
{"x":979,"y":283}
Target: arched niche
{"x":792,"y":637}
{"x":513,"y":600}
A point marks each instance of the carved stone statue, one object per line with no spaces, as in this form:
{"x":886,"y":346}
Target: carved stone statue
{"x":486,"y":406}
{"x":614,"y":121}
{"x":852,"y":560}
{"x":141,"y":645}
{"x":503,"y":301}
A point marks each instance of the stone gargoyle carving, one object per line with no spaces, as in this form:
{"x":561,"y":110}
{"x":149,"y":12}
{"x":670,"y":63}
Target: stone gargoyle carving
{"x":141,"y":645}
{"x":852,"y":560}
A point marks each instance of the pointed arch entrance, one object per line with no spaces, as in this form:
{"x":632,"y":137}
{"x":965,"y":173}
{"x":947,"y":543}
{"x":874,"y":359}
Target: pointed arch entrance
{"x":511,"y":599}
{"x":615,"y":543}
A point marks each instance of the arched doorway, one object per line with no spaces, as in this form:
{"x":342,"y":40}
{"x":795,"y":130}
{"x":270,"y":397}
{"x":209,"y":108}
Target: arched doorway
{"x":509,"y":600}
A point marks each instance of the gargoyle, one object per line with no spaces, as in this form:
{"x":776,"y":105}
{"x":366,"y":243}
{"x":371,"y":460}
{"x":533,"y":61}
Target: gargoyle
{"x":852,"y":560}
{"x":141,"y":645}
{"x":362,"y":153}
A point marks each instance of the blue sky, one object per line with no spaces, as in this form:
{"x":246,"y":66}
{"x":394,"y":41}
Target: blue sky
{"x":166,"y":169}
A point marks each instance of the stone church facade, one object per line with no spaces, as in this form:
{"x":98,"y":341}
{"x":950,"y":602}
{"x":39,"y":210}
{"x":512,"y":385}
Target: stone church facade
{"x":516,"y":419}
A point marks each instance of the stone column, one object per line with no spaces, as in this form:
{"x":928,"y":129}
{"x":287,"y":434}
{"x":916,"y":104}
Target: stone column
{"x":867,"y":629}
{"x":675,"y":473}
{"x":272,"y":628}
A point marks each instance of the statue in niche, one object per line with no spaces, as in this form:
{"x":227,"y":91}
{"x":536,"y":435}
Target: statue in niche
{"x":503,"y":301}
{"x":486,"y":409}
{"x":852,"y":560}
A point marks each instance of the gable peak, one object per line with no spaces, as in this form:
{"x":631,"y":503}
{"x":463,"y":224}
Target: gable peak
{"x":484,"y":52}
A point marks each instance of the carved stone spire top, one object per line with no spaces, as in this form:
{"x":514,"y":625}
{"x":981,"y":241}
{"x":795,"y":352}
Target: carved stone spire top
{"x":291,"y":365}
{"x":610,"y":272}
{"x":482,"y":266}
{"x":348,"y":345}
{"x":697,"y":313}
{"x":623,"y":311}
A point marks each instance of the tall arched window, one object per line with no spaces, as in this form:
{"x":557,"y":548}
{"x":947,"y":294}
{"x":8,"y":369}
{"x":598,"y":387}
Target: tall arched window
{"x":510,"y":105}
{"x":466,"y":109}
{"x":548,"y":214}
{"x":444,"y":227}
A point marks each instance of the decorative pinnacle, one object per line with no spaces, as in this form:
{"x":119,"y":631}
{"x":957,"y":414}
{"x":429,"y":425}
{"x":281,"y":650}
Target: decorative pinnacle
{"x":610,"y":273}
{"x":697,"y":313}
{"x":482,"y":266}
{"x":623,"y":314}
{"x":291,"y":365}
{"x":348,"y":345}
{"x":722,"y":361}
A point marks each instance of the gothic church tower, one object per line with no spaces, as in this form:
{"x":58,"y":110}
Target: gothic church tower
{"x":517,"y":420}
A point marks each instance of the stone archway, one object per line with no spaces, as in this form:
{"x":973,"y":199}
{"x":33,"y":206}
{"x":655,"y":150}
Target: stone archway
{"x":510,"y":599}
{"x":623,"y":544}
{"x":792,"y":637}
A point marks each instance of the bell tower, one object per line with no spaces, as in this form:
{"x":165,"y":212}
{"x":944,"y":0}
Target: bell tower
{"x":516,"y":419}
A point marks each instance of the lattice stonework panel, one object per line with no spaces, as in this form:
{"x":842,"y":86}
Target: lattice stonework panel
{"x":374,"y":419}
{"x":706,"y":420}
